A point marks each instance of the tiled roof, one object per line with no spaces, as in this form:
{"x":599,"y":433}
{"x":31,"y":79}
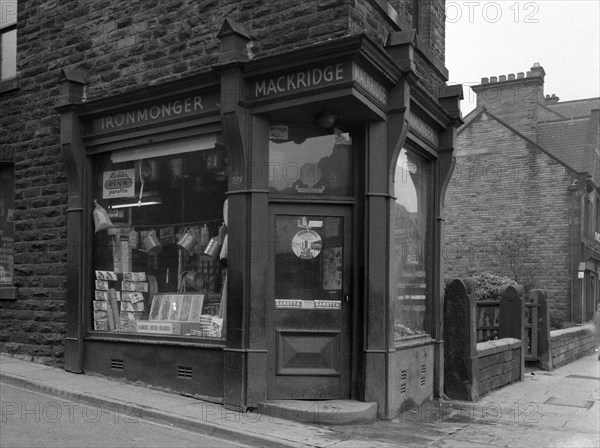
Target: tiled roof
{"x":566,"y":140}
{"x":574,"y":109}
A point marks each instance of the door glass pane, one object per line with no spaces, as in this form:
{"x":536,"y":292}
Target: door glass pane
{"x":409,"y":260}
{"x":308,"y":261}
{"x":308,"y":161}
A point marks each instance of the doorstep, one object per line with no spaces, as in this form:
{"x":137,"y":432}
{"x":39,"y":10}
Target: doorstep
{"x":322,"y":412}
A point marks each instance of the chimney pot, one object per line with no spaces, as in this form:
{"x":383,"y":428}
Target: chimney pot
{"x":511,"y":77}
{"x":537,"y":70}
{"x":493,"y":79}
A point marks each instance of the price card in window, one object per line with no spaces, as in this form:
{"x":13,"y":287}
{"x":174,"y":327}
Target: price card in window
{"x":118,"y":184}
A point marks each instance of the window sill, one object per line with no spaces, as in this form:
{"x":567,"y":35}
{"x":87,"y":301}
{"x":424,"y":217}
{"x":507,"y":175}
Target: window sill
{"x":139,"y":338}
{"x":413,"y":341}
{"x":8,"y":292}
{"x":8,"y":85}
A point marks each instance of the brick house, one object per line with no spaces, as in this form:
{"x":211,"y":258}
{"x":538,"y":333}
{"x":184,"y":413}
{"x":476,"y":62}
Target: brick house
{"x":198,"y":195}
{"x":527,"y":175}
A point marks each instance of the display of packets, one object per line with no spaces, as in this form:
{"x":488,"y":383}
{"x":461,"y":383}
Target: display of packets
{"x":130,"y":315}
{"x":102,"y":285}
{"x":101,"y":324}
{"x":100,"y":305}
{"x":129,"y":306}
{"x":101,"y":295}
{"x":134,"y":286}
{"x":134,"y":276}
{"x":106,"y":275}
{"x":99,"y":314}
{"x":134,"y":297}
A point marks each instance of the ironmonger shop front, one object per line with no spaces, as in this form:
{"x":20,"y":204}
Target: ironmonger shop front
{"x":266,"y":230}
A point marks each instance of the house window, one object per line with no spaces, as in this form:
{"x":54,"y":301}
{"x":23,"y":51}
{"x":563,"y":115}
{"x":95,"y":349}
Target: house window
{"x":8,"y":39}
{"x":410,"y":263}
{"x":7,"y":210}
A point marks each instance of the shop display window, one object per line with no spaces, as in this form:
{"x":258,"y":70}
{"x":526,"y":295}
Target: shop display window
{"x":160,"y":242}
{"x":410,"y":264}
{"x":310,"y":161}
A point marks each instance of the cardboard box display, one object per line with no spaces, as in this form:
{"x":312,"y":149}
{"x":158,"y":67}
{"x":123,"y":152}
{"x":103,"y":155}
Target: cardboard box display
{"x":132,"y":306}
{"x":101,"y":305}
{"x":101,"y":324}
{"x":106,"y":275}
{"x":127,"y":285}
{"x":102,"y":285}
{"x":134,"y":276}
{"x":101,"y":295}
{"x":128,"y":296}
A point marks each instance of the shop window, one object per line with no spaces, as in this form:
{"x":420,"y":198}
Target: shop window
{"x":160,"y":245}
{"x":410,"y":264}
{"x":310,"y":161}
{"x":7,"y":210}
{"x":8,"y":39}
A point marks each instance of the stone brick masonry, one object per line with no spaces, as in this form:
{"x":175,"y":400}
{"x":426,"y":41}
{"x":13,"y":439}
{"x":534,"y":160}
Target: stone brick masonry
{"x":122,"y":46}
{"x":572,"y":343}
{"x":502,"y":182}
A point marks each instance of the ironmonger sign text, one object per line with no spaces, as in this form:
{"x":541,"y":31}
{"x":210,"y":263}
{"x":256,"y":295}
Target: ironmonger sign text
{"x":155,"y":113}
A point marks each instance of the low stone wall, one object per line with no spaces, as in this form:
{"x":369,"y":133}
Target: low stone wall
{"x":571,"y":343}
{"x":499,"y":363}
{"x":471,"y":369}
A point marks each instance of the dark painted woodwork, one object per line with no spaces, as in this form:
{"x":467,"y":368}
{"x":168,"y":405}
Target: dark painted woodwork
{"x":160,"y":366}
{"x":309,"y":350}
{"x":72,"y":86}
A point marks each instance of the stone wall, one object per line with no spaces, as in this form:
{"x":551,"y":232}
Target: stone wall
{"x":571,"y":343}
{"x":499,"y":363}
{"x":502,"y":182}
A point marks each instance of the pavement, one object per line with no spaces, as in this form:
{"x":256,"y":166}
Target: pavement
{"x":547,"y":409}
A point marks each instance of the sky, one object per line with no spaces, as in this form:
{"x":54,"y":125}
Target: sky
{"x":486,"y":38}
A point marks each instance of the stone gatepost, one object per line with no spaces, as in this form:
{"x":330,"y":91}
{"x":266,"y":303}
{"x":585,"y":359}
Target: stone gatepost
{"x":460,"y":352}
{"x":512,"y":318}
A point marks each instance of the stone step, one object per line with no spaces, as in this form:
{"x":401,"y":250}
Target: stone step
{"x":325,"y":412}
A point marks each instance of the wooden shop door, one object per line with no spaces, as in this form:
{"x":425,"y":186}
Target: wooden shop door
{"x":309,"y":304}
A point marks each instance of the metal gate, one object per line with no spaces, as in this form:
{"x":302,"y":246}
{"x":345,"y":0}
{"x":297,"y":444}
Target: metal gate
{"x":531,"y":327}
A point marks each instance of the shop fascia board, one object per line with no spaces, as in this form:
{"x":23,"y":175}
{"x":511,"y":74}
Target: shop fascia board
{"x":359,"y":47}
{"x":428,"y":108}
{"x":322,"y":95}
{"x":153,"y":135}
{"x":151,"y":130}
{"x":208,"y":81}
